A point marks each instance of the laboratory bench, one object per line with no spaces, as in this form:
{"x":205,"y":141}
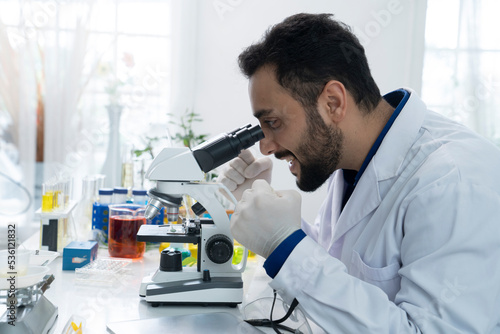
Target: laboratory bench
{"x":99,"y":305}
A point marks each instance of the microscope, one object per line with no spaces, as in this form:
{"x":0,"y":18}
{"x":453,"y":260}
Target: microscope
{"x":180,"y":171}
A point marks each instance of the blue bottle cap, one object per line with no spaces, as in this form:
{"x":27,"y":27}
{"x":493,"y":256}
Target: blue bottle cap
{"x":120,"y":190}
{"x":139,"y":192}
{"x":105,"y":191}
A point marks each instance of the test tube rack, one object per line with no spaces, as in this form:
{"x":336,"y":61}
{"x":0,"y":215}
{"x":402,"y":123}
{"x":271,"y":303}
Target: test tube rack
{"x":54,"y":228}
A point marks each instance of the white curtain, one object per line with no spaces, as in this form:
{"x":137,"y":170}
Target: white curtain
{"x":18,"y":94}
{"x":42,"y":67}
{"x":184,"y":55}
{"x":68,"y":66}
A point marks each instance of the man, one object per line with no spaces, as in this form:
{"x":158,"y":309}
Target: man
{"x":408,"y":237}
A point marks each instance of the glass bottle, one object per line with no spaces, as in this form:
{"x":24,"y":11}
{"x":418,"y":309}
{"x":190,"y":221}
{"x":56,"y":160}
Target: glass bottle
{"x":140,"y":196}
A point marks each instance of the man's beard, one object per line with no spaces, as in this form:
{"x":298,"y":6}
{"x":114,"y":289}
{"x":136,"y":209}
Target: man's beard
{"x":320,"y":152}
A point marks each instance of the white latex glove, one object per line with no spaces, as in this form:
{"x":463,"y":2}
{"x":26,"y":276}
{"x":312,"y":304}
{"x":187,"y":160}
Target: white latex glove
{"x":240,"y":172}
{"x":265,"y":217}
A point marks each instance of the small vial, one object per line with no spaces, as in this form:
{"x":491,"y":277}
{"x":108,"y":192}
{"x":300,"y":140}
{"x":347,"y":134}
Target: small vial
{"x":105,"y":195}
{"x":140,"y":196}
{"x":120,"y":195}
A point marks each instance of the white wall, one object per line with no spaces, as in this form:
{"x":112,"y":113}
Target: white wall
{"x":392,"y":32}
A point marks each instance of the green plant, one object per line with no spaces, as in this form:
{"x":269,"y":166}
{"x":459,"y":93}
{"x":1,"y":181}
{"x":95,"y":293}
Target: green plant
{"x":149,"y":147}
{"x":186,"y":135}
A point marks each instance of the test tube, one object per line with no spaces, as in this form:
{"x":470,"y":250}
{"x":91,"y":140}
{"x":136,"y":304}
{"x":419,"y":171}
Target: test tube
{"x":47,"y":197}
{"x":68,"y":188}
{"x":59,"y":196}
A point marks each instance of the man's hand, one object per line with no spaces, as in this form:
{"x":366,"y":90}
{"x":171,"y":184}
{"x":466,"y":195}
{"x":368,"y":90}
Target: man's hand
{"x":264,"y":217}
{"x":243,"y":171}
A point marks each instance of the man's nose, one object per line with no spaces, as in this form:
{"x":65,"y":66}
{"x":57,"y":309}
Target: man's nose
{"x":268,"y":145}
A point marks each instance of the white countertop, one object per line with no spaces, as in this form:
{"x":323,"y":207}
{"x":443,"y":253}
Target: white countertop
{"x":100,"y":305}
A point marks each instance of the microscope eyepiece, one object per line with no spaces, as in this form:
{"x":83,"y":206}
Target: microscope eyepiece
{"x":213,"y":153}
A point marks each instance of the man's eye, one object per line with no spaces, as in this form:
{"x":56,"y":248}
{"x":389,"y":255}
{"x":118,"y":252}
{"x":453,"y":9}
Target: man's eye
{"x":273,"y":124}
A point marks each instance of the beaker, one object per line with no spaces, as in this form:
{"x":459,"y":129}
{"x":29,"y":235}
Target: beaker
{"x":124,"y":223}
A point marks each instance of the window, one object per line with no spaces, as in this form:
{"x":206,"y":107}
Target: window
{"x":86,"y":56}
{"x":461,"y":75}
{"x":61,"y":65}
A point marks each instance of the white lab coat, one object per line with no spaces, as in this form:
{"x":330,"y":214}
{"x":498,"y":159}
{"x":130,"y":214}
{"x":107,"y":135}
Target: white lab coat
{"x":417,"y":247}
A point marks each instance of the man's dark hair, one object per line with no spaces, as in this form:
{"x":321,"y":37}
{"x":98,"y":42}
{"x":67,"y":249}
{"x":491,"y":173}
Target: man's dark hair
{"x":307,"y":51}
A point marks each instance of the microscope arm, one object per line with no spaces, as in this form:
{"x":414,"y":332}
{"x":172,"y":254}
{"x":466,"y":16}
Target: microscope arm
{"x":205,"y":194}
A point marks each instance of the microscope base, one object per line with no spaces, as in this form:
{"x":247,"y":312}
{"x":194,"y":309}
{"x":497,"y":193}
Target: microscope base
{"x":216,"y":291}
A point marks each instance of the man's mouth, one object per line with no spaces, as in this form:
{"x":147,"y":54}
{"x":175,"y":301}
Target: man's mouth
{"x":289,"y":158}
{"x":290,"y":161}
{"x":292,"y":164}
{"x":284,"y":155}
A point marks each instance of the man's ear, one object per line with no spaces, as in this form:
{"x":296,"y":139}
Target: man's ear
{"x":332,"y":101}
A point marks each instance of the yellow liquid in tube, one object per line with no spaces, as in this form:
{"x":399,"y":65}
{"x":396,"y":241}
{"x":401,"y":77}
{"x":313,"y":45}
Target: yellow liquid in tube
{"x":47,"y":201}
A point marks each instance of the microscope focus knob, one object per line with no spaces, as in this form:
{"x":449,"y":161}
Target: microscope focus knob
{"x":219,"y":248}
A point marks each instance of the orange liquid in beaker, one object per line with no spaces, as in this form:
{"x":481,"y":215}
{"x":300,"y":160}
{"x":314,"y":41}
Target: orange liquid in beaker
{"x":122,"y":237}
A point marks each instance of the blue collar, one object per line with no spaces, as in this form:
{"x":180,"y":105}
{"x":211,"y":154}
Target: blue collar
{"x":397,"y":99}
